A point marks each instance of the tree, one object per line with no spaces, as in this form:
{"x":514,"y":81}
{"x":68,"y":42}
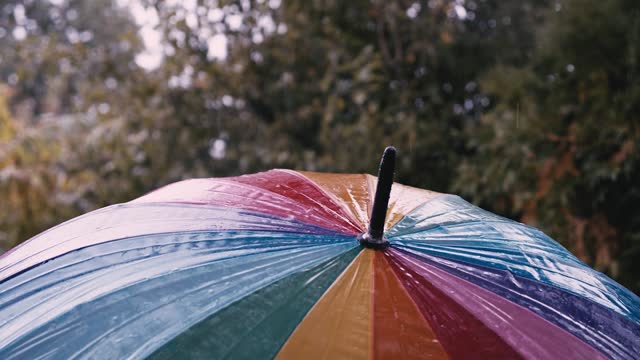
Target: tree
{"x":526,"y":107}
{"x":559,"y":148}
{"x":326,"y":85}
{"x":60,"y":60}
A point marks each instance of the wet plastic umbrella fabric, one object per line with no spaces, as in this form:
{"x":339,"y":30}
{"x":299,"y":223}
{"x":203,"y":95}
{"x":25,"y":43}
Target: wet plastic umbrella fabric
{"x":267,"y":265}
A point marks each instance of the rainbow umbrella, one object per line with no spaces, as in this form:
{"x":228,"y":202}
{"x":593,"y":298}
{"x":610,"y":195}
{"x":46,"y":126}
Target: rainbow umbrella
{"x":288,"y":264}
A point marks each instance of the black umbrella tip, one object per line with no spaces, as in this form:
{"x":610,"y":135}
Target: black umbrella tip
{"x":367,"y":241}
{"x":374,"y":237}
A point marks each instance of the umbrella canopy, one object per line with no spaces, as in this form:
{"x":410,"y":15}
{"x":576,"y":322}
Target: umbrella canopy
{"x":268,"y":265}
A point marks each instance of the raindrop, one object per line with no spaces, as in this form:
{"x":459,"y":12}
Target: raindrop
{"x":18,"y":14}
{"x":413,"y":10}
{"x":257,"y":38}
{"x":111,"y":83}
{"x":227,"y":100}
{"x":421,"y":71}
{"x":13,"y":79}
{"x":267,"y":24}
{"x":86,"y":36}
{"x":215,"y":15}
{"x":217,"y":47}
{"x":217,"y":149}
{"x":72,"y":35}
{"x":470,"y":86}
{"x":468,"y":104}
{"x":234,"y":21}
{"x":274,"y":4}
{"x":71,"y":14}
{"x":461,"y":12}
{"x":169,"y":50}
{"x":103,"y":108}
{"x":256,"y":57}
{"x":192,"y":21}
{"x":19,"y":33}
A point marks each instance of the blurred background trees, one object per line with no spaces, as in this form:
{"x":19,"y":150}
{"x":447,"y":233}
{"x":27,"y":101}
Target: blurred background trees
{"x":528,"y":108}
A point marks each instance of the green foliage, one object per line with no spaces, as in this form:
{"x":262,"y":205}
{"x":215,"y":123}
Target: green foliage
{"x":559,"y":148}
{"x":529,"y":108}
